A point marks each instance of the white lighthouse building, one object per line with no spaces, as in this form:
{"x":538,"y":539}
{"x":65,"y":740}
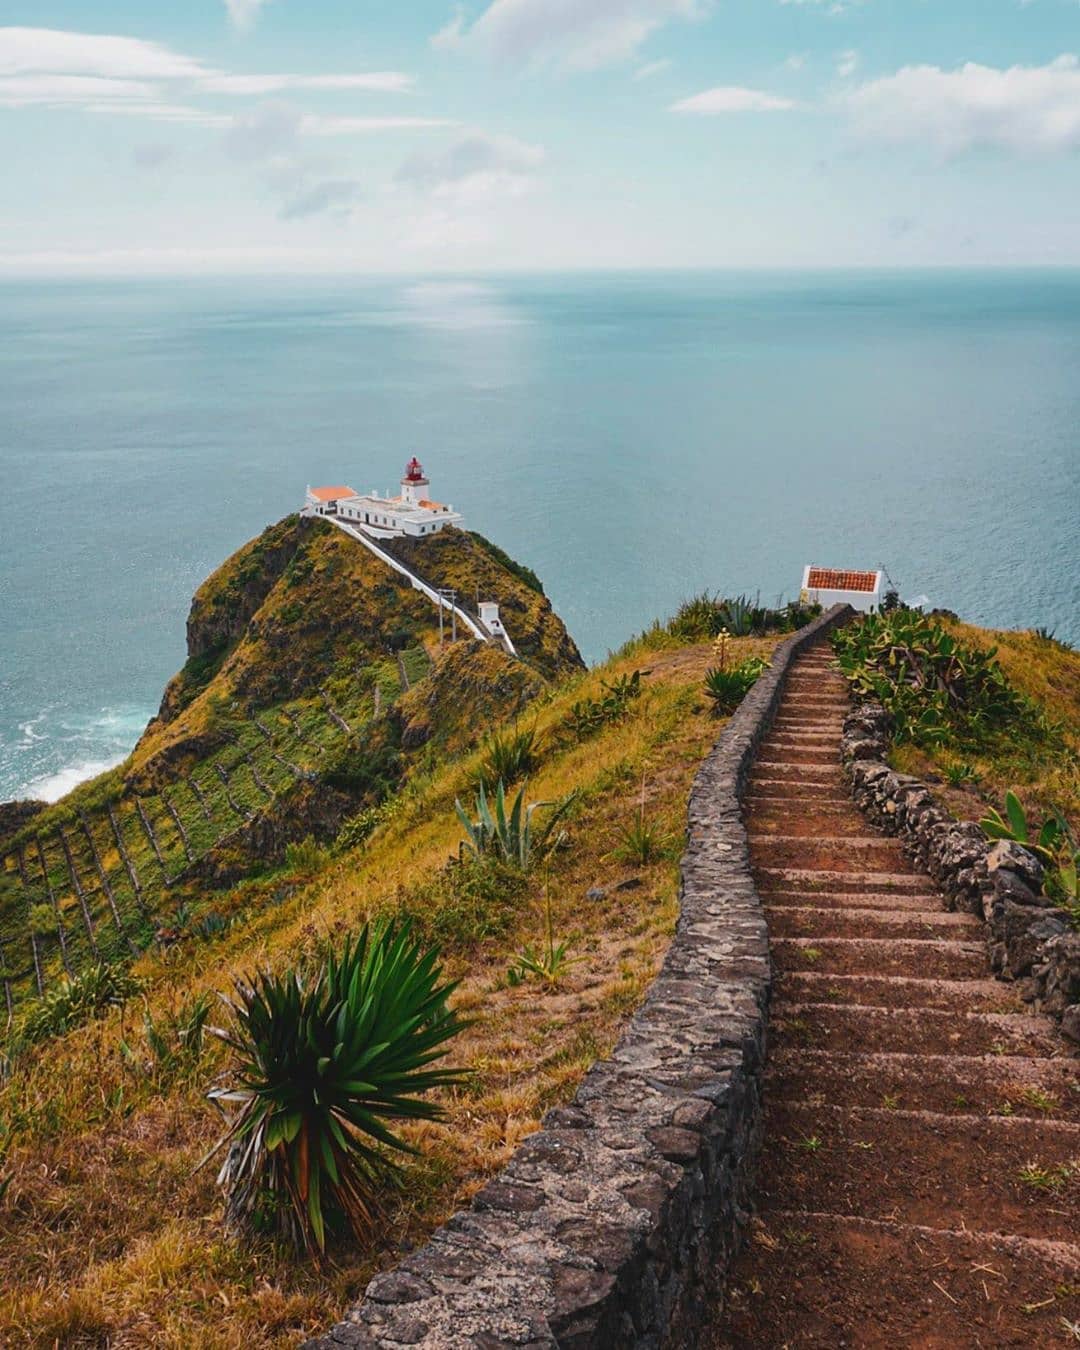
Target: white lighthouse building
{"x":412,"y":512}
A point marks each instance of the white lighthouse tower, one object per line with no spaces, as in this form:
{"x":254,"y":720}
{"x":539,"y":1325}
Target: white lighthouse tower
{"x":414,"y":485}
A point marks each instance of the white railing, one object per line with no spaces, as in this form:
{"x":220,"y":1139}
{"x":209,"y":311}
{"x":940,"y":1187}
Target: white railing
{"x":473,"y":625}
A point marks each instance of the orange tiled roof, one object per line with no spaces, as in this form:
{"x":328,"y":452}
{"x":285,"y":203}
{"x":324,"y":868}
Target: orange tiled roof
{"x":833,"y":579}
{"x":432,"y":506}
{"x":331,"y":494}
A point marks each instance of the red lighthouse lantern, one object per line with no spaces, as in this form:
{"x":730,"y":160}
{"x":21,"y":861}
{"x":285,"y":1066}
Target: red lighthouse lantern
{"x":414,"y":472}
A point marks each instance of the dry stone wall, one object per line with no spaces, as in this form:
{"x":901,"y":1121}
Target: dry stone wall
{"x":611,"y":1224}
{"x":1030,"y":939}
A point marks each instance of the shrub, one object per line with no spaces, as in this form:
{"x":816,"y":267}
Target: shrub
{"x":511,"y":837}
{"x":306,"y":857}
{"x":321,"y":1070}
{"x":466,"y":902}
{"x":509,"y":756}
{"x":524,"y":574}
{"x":936,"y":689}
{"x":696,"y":619}
{"x":588,"y":715}
{"x":728,"y":688}
{"x":642,"y":842}
{"x":178,"y":1040}
{"x":41,"y":920}
{"x":960,"y":773}
{"x":74,"y":1001}
{"x":548,"y":963}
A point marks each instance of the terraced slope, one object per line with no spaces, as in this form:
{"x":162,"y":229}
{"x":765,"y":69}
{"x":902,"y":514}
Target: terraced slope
{"x":920,"y":1183}
{"x":88,"y":884}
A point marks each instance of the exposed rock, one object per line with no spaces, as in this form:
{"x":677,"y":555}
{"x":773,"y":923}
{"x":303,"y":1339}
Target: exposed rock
{"x":1029,"y":940}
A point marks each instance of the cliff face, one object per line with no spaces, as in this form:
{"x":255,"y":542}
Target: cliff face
{"x":303,"y":608}
{"x":315,"y":684}
{"x":474,"y":567}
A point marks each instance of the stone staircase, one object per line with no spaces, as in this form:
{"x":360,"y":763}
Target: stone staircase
{"x":920,"y":1177}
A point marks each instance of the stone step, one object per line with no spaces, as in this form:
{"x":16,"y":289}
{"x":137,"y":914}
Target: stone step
{"x":825,"y":852}
{"x":930,"y":959}
{"x":801,"y":773}
{"x":799,"y":726}
{"x":959,"y":1084}
{"x":795,"y":789}
{"x":796,"y":703}
{"x":839,"y":881}
{"x":925,"y":1167}
{"x":931,"y":1031}
{"x":784,"y":821}
{"x":895,"y":991}
{"x":851,"y":921}
{"x":803,"y":735}
{"x":818,"y":1280}
{"x":884,"y":900}
{"x":775,"y":750}
{"x":773,"y":795}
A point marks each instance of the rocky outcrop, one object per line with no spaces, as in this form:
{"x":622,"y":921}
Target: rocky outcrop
{"x":14,"y":815}
{"x":1030,"y":939}
{"x":611,"y":1225}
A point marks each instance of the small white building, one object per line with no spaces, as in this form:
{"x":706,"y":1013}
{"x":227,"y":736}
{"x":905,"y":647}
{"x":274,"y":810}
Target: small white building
{"x":412,"y":512}
{"x":827,"y":586}
{"x":490,"y":618}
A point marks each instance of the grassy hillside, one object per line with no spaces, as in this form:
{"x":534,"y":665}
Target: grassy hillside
{"x":1041,"y":762}
{"x":979,"y":715}
{"x":300,"y":704}
{"x":109,"y":1235}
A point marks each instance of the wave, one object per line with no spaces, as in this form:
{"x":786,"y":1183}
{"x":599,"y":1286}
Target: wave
{"x":56,"y":751}
{"x":51,"y":787}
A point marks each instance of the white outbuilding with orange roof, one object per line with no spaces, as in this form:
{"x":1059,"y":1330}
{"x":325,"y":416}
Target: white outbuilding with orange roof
{"x":827,"y":586}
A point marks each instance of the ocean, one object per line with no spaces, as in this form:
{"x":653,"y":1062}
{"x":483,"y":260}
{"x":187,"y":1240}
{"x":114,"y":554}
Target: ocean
{"x":634,"y":438}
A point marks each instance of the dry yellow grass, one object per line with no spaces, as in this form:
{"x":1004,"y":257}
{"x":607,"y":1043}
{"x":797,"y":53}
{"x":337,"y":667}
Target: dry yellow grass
{"x":109,"y":1237}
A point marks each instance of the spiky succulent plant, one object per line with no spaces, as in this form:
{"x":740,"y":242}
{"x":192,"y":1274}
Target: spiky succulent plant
{"x":322,"y":1066}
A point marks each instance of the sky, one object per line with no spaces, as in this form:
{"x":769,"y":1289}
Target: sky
{"x":220,"y":136}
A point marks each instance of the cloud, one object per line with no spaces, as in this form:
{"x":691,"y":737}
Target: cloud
{"x":27,"y":51}
{"x":331,"y":196}
{"x":380,"y":81}
{"x":732,"y":98}
{"x":476,"y":165}
{"x":847,"y":63}
{"x":269,"y":129}
{"x":1023,"y":109}
{"x":23,"y":91}
{"x":577,"y":34}
{"x":318,"y":125}
{"x":651,"y":68}
{"x":452,"y":33}
{"x":44,"y":66}
{"x":243,"y":13}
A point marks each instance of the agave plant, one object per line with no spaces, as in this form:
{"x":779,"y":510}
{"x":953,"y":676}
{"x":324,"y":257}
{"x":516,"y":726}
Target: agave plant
{"x":509,"y":757}
{"x":728,"y":688}
{"x":510,"y":836}
{"x":1014,"y":826}
{"x":71,"y":1002}
{"x":321,"y":1067}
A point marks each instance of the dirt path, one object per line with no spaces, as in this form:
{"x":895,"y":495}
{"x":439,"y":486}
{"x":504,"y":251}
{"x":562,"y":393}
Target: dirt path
{"x":920,"y":1180}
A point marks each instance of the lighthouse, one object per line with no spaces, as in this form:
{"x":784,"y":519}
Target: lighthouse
{"x":414,"y":485}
